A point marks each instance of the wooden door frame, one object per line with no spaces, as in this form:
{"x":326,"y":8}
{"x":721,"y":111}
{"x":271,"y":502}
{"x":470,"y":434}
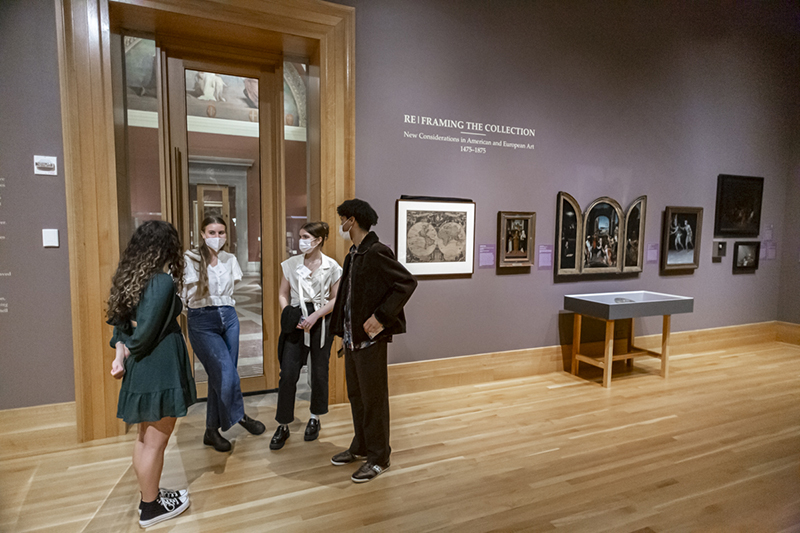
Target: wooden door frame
{"x":84,"y":53}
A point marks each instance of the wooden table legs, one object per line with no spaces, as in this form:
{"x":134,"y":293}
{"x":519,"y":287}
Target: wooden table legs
{"x":608,"y":357}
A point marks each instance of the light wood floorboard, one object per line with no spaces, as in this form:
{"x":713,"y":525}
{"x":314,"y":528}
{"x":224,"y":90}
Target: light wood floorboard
{"x":714,"y":448}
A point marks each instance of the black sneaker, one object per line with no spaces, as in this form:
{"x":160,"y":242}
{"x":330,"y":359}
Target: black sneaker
{"x":345,"y":458}
{"x":162,"y":509}
{"x":279,"y":438}
{"x":213,"y":438}
{"x":312,"y":430}
{"x":368,"y":472}
{"x":253,"y":426}
{"x":167,"y":493}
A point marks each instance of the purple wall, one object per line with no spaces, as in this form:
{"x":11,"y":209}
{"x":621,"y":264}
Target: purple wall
{"x":36,"y":365}
{"x":626,"y":99}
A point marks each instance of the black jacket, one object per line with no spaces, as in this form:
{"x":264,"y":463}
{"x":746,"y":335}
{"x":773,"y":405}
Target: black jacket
{"x":381,"y":286}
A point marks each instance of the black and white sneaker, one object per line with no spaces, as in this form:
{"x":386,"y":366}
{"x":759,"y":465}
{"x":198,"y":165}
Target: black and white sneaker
{"x":368,"y":472}
{"x":168,"y":493}
{"x":162,"y":509}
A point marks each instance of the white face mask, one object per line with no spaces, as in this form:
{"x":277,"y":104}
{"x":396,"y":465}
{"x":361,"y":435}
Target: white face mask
{"x":215,"y":243}
{"x":306,"y":245}
{"x":345,"y":234}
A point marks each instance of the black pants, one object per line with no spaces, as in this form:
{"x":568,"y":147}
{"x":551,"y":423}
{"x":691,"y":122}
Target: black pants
{"x":368,"y":392}
{"x":294,"y":356}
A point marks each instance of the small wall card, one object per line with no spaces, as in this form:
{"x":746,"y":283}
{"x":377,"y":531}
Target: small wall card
{"x":45,"y":164}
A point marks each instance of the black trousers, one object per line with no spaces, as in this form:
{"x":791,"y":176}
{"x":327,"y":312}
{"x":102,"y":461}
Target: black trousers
{"x":294,"y":356}
{"x":368,"y":392}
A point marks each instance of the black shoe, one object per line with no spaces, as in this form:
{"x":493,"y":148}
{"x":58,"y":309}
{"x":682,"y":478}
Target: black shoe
{"x":368,"y":472}
{"x":253,"y":426}
{"x":345,"y":458}
{"x":181,"y":494}
{"x":312,"y":430}
{"x":162,"y":509}
{"x":279,"y":438}
{"x":213,"y":438}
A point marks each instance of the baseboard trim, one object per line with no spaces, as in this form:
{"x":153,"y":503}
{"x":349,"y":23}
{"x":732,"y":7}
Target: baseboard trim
{"x":36,"y":430}
{"x":420,"y":376}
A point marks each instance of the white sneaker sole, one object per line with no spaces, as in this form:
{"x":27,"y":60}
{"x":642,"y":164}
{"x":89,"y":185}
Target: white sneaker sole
{"x":166,"y":516}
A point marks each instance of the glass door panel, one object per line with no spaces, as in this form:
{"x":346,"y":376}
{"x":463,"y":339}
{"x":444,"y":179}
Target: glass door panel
{"x":224,"y":179}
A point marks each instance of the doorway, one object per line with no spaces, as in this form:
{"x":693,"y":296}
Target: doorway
{"x":95,"y":175}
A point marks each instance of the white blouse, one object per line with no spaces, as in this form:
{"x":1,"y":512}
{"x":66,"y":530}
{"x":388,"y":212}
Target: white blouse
{"x":312,"y":287}
{"x":221,"y":280}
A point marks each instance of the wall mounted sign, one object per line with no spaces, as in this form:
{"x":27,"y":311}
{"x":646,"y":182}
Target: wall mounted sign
{"x":475,"y":138}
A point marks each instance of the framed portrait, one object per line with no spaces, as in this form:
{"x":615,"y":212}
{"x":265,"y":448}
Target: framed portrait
{"x":569,"y":223}
{"x":633,"y":246}
{"x":745,"y":257}
{"x":436,"y":237}
{"x":601,"y":236}
{"x":680,"y":241}
{"x":738,"y":212}
{"x":516,"y":232}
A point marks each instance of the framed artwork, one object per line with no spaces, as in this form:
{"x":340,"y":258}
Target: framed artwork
{"x":745,"y":257}
{"x":738,"y":212}
{"x":436,"y":237}
{"x":633,"y":246}
{"x":516,"y":232}
{"x":601,"y":234}
{"x":569,"y":223}
{"x":680,"y":241}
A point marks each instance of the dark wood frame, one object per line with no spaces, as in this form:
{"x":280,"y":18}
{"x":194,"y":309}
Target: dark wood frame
{"x":503,"y":218}
{"x":730,"y":191}
{"x":669,"y":212}
{"x":739,"y":245}
{"x":621,"y":227}
{"x":559,"y":269}
{"x":641,"y":201}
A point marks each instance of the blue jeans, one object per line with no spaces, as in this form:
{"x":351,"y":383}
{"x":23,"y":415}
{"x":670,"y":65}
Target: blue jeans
{"x":214,"y":334}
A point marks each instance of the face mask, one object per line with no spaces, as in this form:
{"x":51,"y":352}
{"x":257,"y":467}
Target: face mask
{"x":345,"y":234}
{"x":215,"y":243}
{"x":306,"y":245}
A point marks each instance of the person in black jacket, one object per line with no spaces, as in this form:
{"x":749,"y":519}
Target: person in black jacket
{"x":369,"y":309}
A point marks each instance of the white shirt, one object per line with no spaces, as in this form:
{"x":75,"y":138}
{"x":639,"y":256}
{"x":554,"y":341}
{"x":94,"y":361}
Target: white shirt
{"x":221,"y":280}
{"x":314,"y":287}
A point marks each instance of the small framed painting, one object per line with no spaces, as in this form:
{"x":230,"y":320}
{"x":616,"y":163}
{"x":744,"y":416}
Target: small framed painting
{"x":601,"y":234}
{"x":745,"y":257}
{"x":680,"y":241}
{"x":515,"y":238}
{"x":569,"y":221}
{"x":738,"y":212}
{"x":633,"y":247}
{"x":436,"y":237}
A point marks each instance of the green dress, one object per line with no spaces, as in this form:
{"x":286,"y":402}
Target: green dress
{"x":158,"y":379}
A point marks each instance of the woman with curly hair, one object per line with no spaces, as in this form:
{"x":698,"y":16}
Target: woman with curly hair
{"x":151,"y":358}
{"x":209,"y":278}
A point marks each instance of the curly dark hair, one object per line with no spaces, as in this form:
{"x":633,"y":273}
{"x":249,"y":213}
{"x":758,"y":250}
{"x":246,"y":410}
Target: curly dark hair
{"x":154,"y":245}
{"x":360,"y":210}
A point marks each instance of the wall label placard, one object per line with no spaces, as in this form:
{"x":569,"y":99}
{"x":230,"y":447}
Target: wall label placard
{"x":471,"y":136}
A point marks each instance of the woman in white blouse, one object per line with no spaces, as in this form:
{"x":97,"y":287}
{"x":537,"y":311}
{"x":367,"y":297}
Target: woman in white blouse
{"x":311,"y":279}
{"x":209,"y":277}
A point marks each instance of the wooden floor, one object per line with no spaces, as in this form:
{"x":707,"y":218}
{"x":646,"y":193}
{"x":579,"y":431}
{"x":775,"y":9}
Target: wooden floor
{"x":714,"y":448}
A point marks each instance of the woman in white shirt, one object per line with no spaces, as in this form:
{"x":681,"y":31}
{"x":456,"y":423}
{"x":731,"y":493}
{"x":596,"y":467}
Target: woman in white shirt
{"x":208,"y":281}
{"x":313,"y":279}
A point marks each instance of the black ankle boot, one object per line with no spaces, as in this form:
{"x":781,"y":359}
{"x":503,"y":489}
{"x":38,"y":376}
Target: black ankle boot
{"x":213,"y":438}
